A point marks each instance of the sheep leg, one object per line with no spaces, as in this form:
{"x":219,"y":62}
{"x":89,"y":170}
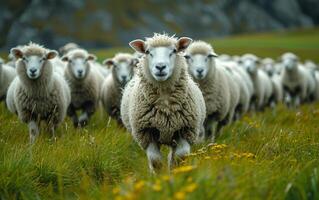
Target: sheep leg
{"x":33,"y":131}
{"x":220,"y":125}
{"x":178,"y":153}
{"x":154,"y":157}
{"x":88,"y":110}
{"x":72,"y":113}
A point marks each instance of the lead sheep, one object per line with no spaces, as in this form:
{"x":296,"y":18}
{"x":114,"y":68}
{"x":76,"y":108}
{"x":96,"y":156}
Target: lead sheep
{"x":122,"y":67}
{"x":7,"y":74}
{"x":37,"y":93}
{"x":162,"y":104}
{"x":219,"y":89}
{"x":85,"y":84}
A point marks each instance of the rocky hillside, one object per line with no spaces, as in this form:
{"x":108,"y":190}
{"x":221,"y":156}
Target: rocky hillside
{"x":100,"y":23}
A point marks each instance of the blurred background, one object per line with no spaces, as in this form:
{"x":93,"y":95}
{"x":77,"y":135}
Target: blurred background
{"x":105,"y":23}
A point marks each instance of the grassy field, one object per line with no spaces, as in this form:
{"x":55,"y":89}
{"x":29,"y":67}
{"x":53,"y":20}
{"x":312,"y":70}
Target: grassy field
{"x":270,"y":155}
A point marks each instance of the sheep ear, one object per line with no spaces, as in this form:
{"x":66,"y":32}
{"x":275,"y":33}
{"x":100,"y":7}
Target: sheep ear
{"x":138,"y":45}
{"x":108,"y":62}
{"x":17,"y":53}
{"x":91,"y":57}
{"x":51,"y":54}
{"x":65,"y":58}
{"x":212,"y":55}
{"x":183,"y":43}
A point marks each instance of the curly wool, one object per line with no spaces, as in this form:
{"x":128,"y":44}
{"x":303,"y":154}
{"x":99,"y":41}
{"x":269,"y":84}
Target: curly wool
{"x":176,"y":108}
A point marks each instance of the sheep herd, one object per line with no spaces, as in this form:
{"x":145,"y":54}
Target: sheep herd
{"x":171,"y":91}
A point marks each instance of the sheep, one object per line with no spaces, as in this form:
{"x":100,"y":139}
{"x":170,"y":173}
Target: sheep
{"x":314,"y":70}
{"x":296,"y":80}
{"x":37,"y":93}
{"x":85,"y":83}
{"x":7,"y":74}
{"x":68,"y":47}
{"x":245,"y":87}
{"x":219,"y":89}
{"x":268,"y":65}
{"x":162,"y":104}
{"x":261,"y":81}
{"x":122,"y":66}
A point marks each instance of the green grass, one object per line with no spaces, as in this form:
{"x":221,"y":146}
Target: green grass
{"x":270,"y":155}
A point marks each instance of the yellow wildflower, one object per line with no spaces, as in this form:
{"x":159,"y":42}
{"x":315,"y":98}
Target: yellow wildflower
{"x":157,"y":186}
{"x":180,"y":195}
{"x":183,"y":169}
{"x":191,"y":188}
{"x":139,"y":185}
{"x":166,"y":178}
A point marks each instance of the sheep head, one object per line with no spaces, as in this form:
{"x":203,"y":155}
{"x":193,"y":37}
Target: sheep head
{"x":33,"y":57}
{"x":289,"y":61}
{"x":160,"y":52}
{"x":122,"y":66}
{"x":78,"y":63}
{"x":199,"y":56}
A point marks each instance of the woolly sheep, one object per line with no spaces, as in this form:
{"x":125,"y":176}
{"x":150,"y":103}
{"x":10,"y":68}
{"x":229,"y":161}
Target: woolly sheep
{"x":245,"y":87}
{"x":7,"y":75}
{"x":219,"y":89}
{"x":122,"y":66}
{"x":162,"y":104}
{"x":268,"y":65}
{"x":85,"y":83}
{"x":314,"y":70}
{"x":261,"y":81}
{"x":296,"y":80}
{"x":37,"y":93}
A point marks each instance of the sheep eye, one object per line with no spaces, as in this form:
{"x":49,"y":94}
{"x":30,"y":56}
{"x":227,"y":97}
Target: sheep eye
{"x":24,"y":58}
{"x":173,"y":52}
{"x":147,"y":52}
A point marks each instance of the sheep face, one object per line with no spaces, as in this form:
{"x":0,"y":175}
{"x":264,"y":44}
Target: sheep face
{"x":122,"y":70}
{"x":251,"y":65}
{"x":160,"y":53}
{"x":289,"y":62}
{"x":34,"y":63}
{"x":79,"y":66}
{"x":199,"y":65}
{"x":161,"y":62}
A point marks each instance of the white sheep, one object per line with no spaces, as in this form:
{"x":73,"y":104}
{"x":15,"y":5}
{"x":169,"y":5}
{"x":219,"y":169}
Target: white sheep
{"x":162,"y":104}
{"x":37,"y":93}
{"x":261,"y":81}
{"x":7,"y":75}
{"x":122,"y":67}
{"x":314,"y":70}
{"x":220,"y":92}
{"x":296,"y":80}
{"x":245,"y":85}
{"x":268,"y":65}
{"x":85,"y":83}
